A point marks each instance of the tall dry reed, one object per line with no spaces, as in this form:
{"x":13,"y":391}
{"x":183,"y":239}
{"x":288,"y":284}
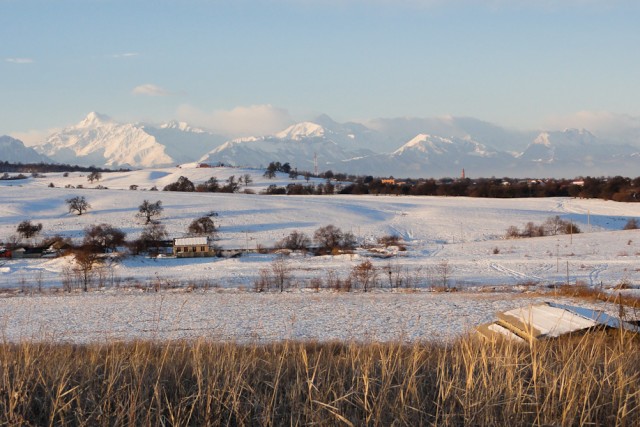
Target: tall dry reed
{"x":589,"y":379}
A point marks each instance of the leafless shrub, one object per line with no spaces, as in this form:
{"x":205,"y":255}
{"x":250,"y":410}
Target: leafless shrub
{"x":281,"y":271}
{"x":295,"y":241}
{"x":389,"y":240}
{"x":512,"y":232}
{"x":552,"y":226}
{"x":84,"y":262}
{"x":443,"y":271}
{"x":277,"y":276}
{"x":632,"y":224}
{"x":364,"y":275}
{"x":398,"y":276}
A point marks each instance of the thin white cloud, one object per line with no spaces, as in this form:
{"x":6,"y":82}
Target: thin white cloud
{"x":20,"y":60}
{"x":621,"y":128}
{"x":125,"y":55}
{"x":240,"y":121}
{"x":149,"y":90}
{"x":33,"y":137}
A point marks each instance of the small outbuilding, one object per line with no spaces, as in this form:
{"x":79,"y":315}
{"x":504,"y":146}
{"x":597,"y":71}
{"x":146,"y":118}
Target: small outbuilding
{"x":549,"y":320}
{"x":193,"y":247}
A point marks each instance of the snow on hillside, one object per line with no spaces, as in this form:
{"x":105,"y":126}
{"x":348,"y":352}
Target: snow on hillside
{"x":14,"y":151}
{"x":465,"y":233}
{"x":302,"y":130}
{"x":251,"y":317}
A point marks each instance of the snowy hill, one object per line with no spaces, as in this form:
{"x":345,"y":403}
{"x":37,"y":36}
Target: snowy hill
{"x":216,"y":294}
{"x":14,"y":151}
{"x":98,"y":140}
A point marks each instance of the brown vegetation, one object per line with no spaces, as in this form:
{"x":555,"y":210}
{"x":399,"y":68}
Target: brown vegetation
{"x":590,"y":379}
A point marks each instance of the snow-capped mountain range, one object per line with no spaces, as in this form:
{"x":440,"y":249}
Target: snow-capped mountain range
{"x":100,"y":141}
{"x":400,"y":147}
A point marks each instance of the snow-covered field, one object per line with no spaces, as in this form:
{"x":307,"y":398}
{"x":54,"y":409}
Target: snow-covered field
{"x":252,"y":317}
{"x":466,"y":233}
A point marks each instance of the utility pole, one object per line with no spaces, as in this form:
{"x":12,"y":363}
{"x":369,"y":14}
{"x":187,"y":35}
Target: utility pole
{"x":315,"y":164}
{"x":571,"y":232}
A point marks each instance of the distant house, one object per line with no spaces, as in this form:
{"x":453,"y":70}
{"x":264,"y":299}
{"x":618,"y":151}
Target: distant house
{"x":192,"y":247}
{"x":27,"y":252}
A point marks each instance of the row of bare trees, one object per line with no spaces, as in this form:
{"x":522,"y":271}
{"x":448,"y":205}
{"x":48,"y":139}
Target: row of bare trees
{"x":364,"y":276}
{"x":212,"y":185}
{"x":551,"y":227}
{"x":327,"y":240}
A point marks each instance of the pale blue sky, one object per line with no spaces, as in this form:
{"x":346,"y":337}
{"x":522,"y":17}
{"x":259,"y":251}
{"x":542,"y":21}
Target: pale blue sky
{"x":519,"y":63}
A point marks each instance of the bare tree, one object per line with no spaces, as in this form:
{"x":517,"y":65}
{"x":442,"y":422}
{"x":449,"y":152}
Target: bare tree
{"x":148,"y":210}
{"x":364,"y":275}
{"x":182,"y":184}
{"x":443,"y":271}
{"x":331,"y":238}
{"x":152,"y":235}
{"x":78,"y":204}
{"x":209,"y":186}
{"x":94,"y":176}
{"x":27,"y":230}
{"x":281,"y":273}
{"x":512,"y":232}
{"x":247,"y":179}
{"x":202,"y":226}
{"x":295,"y":241}
{"x":231,"y":186}
{"x":85,"y":260}
{"x":103,"y":237}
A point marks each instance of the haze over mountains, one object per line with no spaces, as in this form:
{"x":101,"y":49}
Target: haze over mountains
{"x":402,"y":147}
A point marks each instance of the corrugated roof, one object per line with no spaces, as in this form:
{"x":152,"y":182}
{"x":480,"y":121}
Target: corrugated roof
{"x":545,"y":320}
{"x":191,"y":241}
{"x":598,"y":316}
{"x":548,"y":320}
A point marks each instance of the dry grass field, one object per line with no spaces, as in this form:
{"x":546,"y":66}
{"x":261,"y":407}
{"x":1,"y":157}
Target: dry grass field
{"x":592,"y":379}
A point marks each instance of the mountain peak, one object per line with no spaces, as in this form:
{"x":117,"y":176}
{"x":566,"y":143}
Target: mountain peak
{"x":425,"y":138}
{"x":183,"y":126}
{"x":94,"y":119}
{"x":302,"y":130}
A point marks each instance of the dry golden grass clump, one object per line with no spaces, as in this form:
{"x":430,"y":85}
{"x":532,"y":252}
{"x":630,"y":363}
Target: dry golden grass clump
{"x":583,"y":380}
